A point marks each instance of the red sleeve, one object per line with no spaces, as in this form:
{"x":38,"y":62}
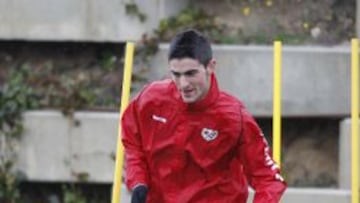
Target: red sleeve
{"x":135,"y":161}
{"x":261,"y":171}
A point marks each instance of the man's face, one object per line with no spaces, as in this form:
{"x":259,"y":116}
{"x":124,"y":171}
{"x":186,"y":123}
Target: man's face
{"x":192,"y":79}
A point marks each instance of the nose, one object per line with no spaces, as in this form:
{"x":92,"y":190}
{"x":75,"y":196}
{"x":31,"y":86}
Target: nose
{"x":183,"y":82}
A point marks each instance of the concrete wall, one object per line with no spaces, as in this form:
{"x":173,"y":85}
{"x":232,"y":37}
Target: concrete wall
{"x":55,"y":148}
{"x":312,"y":195}
{"x":345,"y":154}
{"x":316,"y":80}
{"x":81,"y":20}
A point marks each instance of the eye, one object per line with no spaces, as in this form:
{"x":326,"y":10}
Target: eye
{"x":175,"y":74}
{"x":191,"y":73}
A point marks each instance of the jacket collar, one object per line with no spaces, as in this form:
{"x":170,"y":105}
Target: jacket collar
{"x":205,"y":102}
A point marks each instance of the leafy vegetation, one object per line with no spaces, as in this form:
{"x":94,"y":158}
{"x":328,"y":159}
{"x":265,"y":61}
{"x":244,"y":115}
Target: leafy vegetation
{"x":192,"y":17}
{"x":133,"y":9}
{"x":15,"y":97}
{"x":218,"y":32}
{"x":73,"y":195}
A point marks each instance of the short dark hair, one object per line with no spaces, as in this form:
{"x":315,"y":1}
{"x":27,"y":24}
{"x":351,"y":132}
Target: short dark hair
{"x":190,"y":44}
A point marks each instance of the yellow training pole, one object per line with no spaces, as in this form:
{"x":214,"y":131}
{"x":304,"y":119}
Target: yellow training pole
{"x":116,"y":192}
{"x":277,"y":103}
{"x":354,"y":121}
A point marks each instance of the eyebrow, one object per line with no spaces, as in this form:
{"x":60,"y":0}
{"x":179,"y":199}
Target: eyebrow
{"x":186,"y":73}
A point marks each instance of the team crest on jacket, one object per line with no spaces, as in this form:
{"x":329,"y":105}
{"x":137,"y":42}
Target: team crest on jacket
{"x":209,"y":134}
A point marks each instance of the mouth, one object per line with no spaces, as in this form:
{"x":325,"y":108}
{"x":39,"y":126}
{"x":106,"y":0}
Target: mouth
{"x":188,"y":92}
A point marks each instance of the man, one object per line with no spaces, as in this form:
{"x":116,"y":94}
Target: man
{"x":186,"y":141}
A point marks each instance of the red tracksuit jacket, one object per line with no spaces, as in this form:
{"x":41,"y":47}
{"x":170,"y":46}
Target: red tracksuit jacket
{"x":208,"y":151}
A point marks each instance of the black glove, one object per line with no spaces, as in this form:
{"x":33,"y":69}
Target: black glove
{"x":139,"y":194}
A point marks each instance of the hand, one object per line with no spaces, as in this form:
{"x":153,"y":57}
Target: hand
{"x":139,"y":194}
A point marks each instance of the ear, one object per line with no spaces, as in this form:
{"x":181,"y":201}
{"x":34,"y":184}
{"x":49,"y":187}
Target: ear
{"x":211,"y":65}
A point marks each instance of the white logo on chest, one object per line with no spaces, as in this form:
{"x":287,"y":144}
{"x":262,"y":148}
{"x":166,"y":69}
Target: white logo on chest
{"x":158,"y":118}
{"x":209,"y":134}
